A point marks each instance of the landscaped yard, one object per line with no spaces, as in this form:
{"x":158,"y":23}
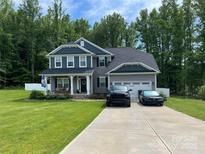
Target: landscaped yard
{"x":40,"y":126}
{"x":192,"y":107}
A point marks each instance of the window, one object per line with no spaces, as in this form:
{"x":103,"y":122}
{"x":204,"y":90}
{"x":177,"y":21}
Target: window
{"x":117,"y":83}
{"x":126,"y":83}
{"x":101,"y":61}
{"x":58,"y":62}
{"x":70,"y":61}
{"x":102,"y":81}
{"x":62,"y":83}
{"x":82,"y":43}
{"x":83,"y":61}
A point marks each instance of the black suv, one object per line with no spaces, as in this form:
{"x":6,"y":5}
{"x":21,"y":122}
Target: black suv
{"x":118,"y":95}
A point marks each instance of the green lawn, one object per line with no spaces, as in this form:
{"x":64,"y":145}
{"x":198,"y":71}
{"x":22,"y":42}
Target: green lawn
{"x":40,"y":126}
{"x":192,"y":107}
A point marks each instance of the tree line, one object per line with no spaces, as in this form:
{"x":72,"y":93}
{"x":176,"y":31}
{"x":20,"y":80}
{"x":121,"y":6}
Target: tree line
{"x":174,"y":34}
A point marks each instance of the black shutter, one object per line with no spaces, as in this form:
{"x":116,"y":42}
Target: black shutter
{"x":97,"y":61}
{"x":106,"y":81}
{"x":106,"y":63}
{"x":55,"y":82}
{"x":98,"y":82}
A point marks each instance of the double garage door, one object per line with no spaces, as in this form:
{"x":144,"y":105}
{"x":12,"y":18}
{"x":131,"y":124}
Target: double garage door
{"x":135,"y":86}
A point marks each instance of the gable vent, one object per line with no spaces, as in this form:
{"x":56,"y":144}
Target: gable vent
{"x":82,"y":43}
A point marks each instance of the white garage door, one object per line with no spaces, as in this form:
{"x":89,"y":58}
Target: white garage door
{"x":135,"y":86}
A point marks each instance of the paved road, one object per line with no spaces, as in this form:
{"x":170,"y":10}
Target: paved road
{"x":140,"y":130}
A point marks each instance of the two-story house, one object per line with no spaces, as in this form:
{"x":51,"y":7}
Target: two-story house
{"x":85,"y":68}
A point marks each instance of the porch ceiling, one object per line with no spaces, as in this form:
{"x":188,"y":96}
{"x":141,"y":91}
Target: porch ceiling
{"x":67,"y":71}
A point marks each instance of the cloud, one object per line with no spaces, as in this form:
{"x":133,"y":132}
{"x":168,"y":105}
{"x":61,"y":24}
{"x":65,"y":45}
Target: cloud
{"x":94,"y":10}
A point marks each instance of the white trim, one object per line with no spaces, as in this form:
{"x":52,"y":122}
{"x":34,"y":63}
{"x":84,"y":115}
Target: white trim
{"x":133,"y":73}
{"x":91,"y":61}
{"x":155,"y":81}
{"x":85,"y":62}
{"x":70,"y":61}
{"x":75,"y":74}
{"x":131,"y":82}
{"x":94,"y":45}
{"x":102,"y":77}
{"x":60,"y":61}
{"x":108,"y":82}
{"x":88,"y":84}
{"x":101,"y":59}
{"x":69,"y":45}
{"x":65,"y":55}
{"x":132,"y":63}
{"x":71,"y":85}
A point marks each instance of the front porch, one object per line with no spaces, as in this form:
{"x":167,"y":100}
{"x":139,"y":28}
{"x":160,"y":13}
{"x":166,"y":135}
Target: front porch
{"x":73,"y":84}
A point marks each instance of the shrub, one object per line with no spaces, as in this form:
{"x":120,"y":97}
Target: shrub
{"x":58,"y":96}
{"x":202,"y":92}
{"x":163,"y":95}
{"x":97,"y":96}
{"x":37,"y":95}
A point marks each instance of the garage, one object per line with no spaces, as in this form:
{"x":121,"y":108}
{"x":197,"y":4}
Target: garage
{"x":135,"y":86}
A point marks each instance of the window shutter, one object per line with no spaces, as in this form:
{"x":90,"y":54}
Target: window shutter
{"x":98,"y":82}
{"x":97,"y":61}
{"x":106,"y":63}
{"x":106,"y":81}
{"x":55,"y":82}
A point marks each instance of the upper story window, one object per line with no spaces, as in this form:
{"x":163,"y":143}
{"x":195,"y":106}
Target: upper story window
{"x":70,"y":61}
{"x":102,"y":61}
{"x":82,"y":43}
{"x":83,"y":61}
{"x":58,"y":62}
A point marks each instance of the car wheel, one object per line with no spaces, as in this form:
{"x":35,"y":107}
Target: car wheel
{"x":161,"y":104}
{"x":128,"y":105}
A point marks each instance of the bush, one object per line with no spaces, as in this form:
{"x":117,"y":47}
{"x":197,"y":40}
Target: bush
{"x":37,"y":95}
{"x":202,"y":92}
{"x":163,"y":95}
{"x":60,"y":96}
{"x":97,"y":96}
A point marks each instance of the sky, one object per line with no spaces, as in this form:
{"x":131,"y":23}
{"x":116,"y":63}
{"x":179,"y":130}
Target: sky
{"x":94,"y":10}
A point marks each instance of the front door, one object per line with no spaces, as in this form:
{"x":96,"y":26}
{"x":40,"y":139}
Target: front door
{"x":83,"y":85}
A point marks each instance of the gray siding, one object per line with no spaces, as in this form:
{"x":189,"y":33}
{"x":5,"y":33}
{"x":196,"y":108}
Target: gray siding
{"x":76,"y":60}
{"x":88,"y":61}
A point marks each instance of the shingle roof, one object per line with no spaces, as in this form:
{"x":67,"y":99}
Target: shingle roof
{"x":67,"y":71}
{"x":70,"y":50}
{"x":126,"y":55}
{"x":92,"y":47}
{"x":132,"y":68}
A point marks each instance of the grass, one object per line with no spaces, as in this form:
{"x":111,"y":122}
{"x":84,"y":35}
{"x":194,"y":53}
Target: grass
{"x":41,"y":126}
{"x":192,"y":107}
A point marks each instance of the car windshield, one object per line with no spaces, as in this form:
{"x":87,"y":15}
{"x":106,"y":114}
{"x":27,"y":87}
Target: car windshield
{"x":119,"y":88}
{"x":151,"y":93}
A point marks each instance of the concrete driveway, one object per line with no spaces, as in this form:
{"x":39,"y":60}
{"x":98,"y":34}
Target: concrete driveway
{"x":141,"y":130}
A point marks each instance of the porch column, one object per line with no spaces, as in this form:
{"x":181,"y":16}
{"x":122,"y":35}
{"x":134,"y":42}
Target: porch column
{"x":71,"y":85}
{"x":155,"y":83}
{"x":88,"y":84}
{"x":108,"y":81}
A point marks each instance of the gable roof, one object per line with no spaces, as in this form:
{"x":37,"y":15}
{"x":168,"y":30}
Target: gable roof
{"x":132,"y":68}
{"x":130,"y":55}
{"x":70,"y":49}
{"x":93,"y":47}
{"x":127,"y":55}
